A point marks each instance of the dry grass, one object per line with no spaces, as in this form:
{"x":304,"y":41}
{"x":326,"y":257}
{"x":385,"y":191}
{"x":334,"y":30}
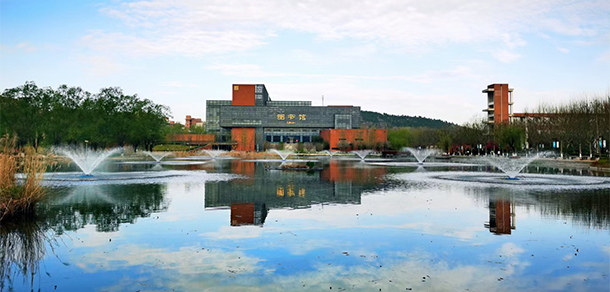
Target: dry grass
{"x":19,"y":198}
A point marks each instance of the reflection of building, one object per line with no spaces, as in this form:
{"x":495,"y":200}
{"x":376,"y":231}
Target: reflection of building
{"x":251,"y":118}
{"x":248,"y":214}
{"x":501,"y":219}
{"x":338,"y":171}
{"x":251,"y":197}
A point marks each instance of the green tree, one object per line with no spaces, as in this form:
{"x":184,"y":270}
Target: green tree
{"x":399,"y":138}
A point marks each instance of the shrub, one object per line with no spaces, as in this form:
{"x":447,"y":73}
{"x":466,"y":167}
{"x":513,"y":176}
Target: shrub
{"x":17,"y":198}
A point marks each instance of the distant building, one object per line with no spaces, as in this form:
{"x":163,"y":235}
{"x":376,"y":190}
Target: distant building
{"x":251,"y":118}
{"x":193,"y":122}
{"x":499,"y":103}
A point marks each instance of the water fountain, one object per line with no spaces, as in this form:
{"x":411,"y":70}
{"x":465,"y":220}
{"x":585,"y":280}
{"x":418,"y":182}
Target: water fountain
{"x":362,"y":153}
{"x":331,"y":153}
{"x":214,"y":153}
{"x":157,"y":156}
{"x":511,"y":166}
{"x":86,"y":159}
{"x":283,"y":154}
{"x":421,"y":154}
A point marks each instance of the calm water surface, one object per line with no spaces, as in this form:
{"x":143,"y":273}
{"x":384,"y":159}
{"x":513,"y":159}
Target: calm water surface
{"x":235,"y":226}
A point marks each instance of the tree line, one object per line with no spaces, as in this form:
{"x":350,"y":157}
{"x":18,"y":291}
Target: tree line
{"x":378,"y":120}
{"x":576,"y":128}
{"x":580,"y":127}
{"x":43,"y":116}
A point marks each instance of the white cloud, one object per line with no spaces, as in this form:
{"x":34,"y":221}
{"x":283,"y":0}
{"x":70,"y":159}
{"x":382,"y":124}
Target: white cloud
{"x":200,"y":27}
{"x":102,"y":65}
{"x":506,"y":56}
{"x":178,"y":84}
{"x":19,"y":48}
{"x":563,"y":50}
{"x":256,"y":71}
{"x":604,"y":57}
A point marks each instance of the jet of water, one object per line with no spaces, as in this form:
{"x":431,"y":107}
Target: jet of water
{"x":283,"y":154}
{"x":157,"y":156}
{"x":362,"y":153}
{"x":331,"y":153}
{"x":421,"y":154}
{"x":214,"y":153}
{"x":511,"y":166}
{"x":87,"y":159}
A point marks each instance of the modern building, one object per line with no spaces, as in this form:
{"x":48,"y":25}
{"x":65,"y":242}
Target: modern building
{"x":499,"y":103}
{"x":251,"y":118}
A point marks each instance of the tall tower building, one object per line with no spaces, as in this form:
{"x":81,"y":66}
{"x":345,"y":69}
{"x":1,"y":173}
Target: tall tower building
{"x":499,"y":103}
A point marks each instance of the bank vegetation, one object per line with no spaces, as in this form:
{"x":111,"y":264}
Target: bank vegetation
{"x":18,"y":198}
{"x":580,"y":128}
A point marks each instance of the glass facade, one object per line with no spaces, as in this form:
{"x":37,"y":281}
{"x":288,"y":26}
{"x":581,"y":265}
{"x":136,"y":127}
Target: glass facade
{"x":212,"y":115}
{"x":343,"y":121}
{"x":292,"y":135}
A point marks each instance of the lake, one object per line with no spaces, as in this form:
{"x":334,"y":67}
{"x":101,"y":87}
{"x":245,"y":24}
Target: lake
{"x":238,"y":225}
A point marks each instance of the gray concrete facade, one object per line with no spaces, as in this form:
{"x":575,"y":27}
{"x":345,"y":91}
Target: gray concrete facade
{"x":286,"y":117}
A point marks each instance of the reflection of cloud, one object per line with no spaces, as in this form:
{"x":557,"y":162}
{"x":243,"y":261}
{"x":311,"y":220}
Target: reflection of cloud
{"x":510,"y":249}
{"x":232,"y":232}
{"x":400,"y":210}
{"x":188,"y":268}
{"x":186,"y":260}
{"x":88,"y":236}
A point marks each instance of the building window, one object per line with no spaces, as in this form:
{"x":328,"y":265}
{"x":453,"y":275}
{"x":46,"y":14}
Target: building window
{"x":343,"y":121}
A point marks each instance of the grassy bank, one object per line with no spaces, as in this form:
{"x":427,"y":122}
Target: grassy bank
{"x":19,"y":198}
{"x":173,"y":147}
{"x":602,"y":162}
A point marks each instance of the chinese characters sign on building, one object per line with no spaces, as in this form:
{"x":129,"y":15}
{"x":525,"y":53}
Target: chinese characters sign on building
{"x":291,"y":118}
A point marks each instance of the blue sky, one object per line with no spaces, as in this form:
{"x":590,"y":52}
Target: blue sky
{"x":422,"y":58}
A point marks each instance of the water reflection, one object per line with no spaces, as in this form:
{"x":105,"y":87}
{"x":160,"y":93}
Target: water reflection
{"x":251,"y":197}
{"x":22,"y":247}
{"x":501,"y":216}
{"x":344,"y":227}
{"x":248,"y":214}
{"x":585,"y":208}
{"x":105,"y":206}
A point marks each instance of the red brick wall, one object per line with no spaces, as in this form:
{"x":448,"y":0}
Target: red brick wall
{"x":192,"y":138}
{"x":353,"y":136}
{"x":244,"y":138}
{"x":243,"y":95}
{"x":500,"y":103}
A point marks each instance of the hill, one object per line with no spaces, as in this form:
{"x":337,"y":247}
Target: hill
{"x":374,"y":119}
